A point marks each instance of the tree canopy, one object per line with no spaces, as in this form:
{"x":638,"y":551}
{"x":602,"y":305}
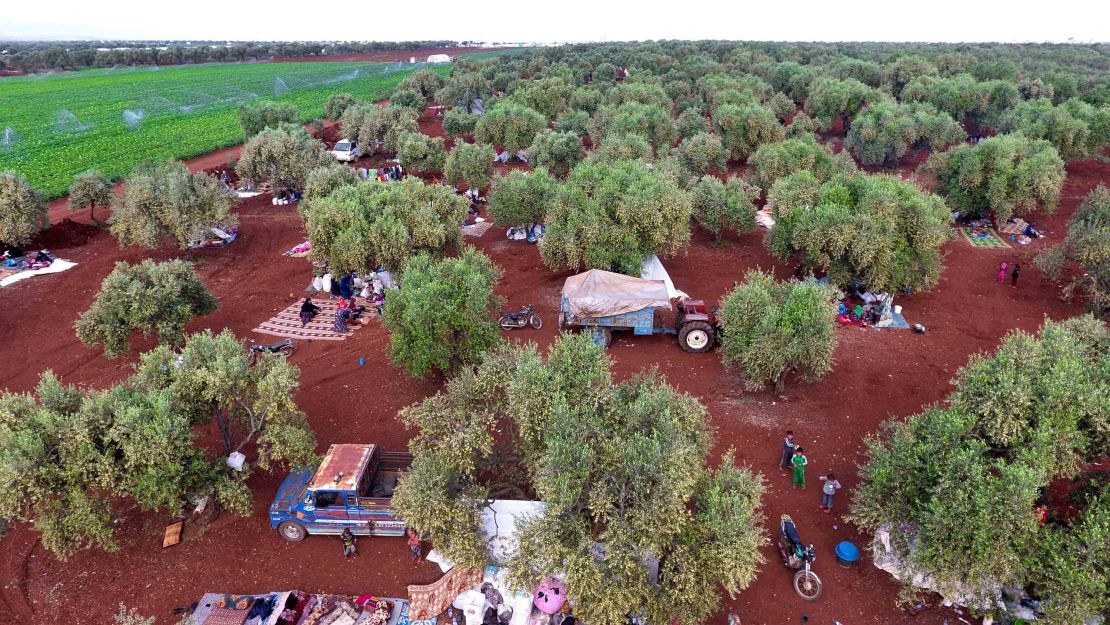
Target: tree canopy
{"x":1007,"y":174}
{"x":1076,"y":129}
{"x":955,"y":488}
{"x":719,"y":205}
{"x":557,"y":151}
{"x":337,"y":104}
{"x":702,"y":153}
{"x":322,"y":181}
{"x":650,"y":121}
{"x":882,"y":230}
{"x":156,"y":298}
{"x":458,"y":122}
{"x":444,"y":315}
{"x":22,"y":210}
{"x":773,"y":161}
{"x":420,"y":153}
{"x":744,"y":128}
{"x":257,"y":116}
{"x":370,"y":224}
{"x":470,"y":164}
{"x":832,"y":99}
{"x":166,"y":201}
{"x":89,"y":190}
{"x":284,"y":156}
{"x":378,"y":128}
{"x":1087,"y":244}
{"x":611,"y":215}
{"x":509,"y":126}
{"x":885,"y":132}
{"x":622,"y":465}
{"x":772,"y":329}
{"x":522,"y":197}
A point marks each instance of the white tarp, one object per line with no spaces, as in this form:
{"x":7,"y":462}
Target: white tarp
{"x":499,"y":521}
{"x":57,"y":266}
{"x":598,"y":293}
{"x":652,"y":269}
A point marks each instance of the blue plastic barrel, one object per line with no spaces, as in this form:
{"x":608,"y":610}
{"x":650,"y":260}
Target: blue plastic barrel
{"x":846,"y":554}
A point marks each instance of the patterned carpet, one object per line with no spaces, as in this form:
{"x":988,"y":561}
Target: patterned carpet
{"x":990,"y":240}
{"x":287,"y":323}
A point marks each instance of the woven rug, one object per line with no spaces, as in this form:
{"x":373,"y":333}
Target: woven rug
{"x":287,"y":323}
{"x":476,"y":230}
{"x":990,"y":240}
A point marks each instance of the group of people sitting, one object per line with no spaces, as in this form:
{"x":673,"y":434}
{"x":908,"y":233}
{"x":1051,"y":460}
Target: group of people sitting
{"x":347,"y":310}
{"x":859,"y":315}
{"x":385,"y":174}
{"x":16,"y":257}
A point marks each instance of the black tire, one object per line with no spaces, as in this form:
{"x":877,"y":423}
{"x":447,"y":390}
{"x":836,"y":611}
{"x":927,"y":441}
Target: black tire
{"x":293,"y":532}
{"x":696,"y":336}
{"x":807,"y":585}
{"x":536,"y":322}
{"x":507,"y":323}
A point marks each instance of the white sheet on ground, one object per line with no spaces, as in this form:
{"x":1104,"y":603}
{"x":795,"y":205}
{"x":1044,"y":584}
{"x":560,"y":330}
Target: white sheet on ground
{"x":243,"y":194}
{"x":57,"y":266}
{"x":598,"y":293}
{"x":652,"y":269}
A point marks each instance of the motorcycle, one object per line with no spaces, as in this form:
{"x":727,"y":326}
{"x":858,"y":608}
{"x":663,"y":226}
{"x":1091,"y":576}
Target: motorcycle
{"x":799,"y":557}
{"x":520,"y":318}
{"x":283,"y":347}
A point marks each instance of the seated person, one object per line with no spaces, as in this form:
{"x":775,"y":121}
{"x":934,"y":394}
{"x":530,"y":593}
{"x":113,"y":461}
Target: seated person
{"x":354,"y":311}
{"x":1032,"y":232}
{"x":857,"y":313}
{"x":308,"y":311}
{"x":841,"y":309}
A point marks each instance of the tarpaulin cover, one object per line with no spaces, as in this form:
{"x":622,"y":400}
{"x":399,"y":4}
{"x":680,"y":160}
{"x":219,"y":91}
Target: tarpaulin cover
{"x":652,"y":269}
{"x":598,"y":293}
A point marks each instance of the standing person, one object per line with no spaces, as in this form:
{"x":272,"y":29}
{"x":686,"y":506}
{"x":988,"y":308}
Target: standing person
{"x":828,"y":489}
{"x":788,"y":446}
{"x":1002,"y":273}
{"x":1014,"y":275}
{"x":799,"y":462}
{"x":414,"y":544}
{"x":348,"y":539}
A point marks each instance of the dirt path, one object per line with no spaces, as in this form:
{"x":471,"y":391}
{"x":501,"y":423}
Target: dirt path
{"x":877,"y":375}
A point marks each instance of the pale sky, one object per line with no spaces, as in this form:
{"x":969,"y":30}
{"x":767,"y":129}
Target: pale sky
{"x":566,"y":20}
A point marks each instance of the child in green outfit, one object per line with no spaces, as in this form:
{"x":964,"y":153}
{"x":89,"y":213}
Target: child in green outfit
{"x":799,"y":463}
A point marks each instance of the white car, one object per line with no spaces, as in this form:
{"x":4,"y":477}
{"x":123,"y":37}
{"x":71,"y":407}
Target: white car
{"x":346,"y":151}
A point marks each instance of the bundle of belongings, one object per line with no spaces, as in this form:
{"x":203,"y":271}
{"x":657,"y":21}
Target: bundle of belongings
{"x":1020,"y":231}
{"x":275,"y":608}
{"x":485,"y":598}
{"x":16,"y":265}
{"x":286,"y":197}
{"x":532,"y":233}
{"x":214,"y":237}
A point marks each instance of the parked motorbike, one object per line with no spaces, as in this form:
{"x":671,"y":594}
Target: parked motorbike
{"x":521,"y":318}
{"x":283,"y":347}
{"x":799,"y":557}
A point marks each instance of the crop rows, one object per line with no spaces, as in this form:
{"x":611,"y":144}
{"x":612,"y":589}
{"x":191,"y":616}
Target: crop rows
{"x":54,"y":127}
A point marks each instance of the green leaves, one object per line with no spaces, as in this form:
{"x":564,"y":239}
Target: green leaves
{"x":509,"y":126}
{"x":746,"y":127}
{"x":1088,"y":245}
{"x":258,"y":116}
{"x":156,"y":298}
{"x":22,"y":210}
{"x":284,"y":155}
{"x":556,"y":151}
{"x":521,"y":197}
{"x":469,"y":163}
{"x":885,"y":132}
{"x":421,"y":153}
{"x":718,"y":205}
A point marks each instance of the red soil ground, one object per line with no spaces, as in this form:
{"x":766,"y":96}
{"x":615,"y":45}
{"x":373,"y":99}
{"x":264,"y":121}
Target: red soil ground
{"x":878,"y":375}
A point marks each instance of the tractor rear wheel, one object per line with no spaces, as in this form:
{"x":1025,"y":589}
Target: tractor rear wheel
{"x":696,"y":336}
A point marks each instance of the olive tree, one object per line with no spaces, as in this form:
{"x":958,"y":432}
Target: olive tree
{"x":953,"y":490}
{"x":22,"y":210}
{"x":691,"y":122}
{"x":623,"y":464}
{"x":426,"y":81}
{"x":611,"y":215}
{"x":458,"y":122}
{"x":702,"y":153}
{"x":883,"y":230}
{"x":904,"y":70}
{"x":965,"y":98}
{"x":622,"y":148}
{"x":549,"y":96}
{"x":378,"y":128}
{"x":1006,"y":174}
{"x":463,"y":89}
{"x":470,"y":164}
{"x":372,"y":223}
{"x":718,"y":205}
{"x":89,"y":190}
{"x":801,"y":125}
{"x":772,"y":329}
{"x":744,"y":128}
{"x":337,"y":104}
{"x":1067,"y":128}
{"x":559,"y":152}
{"x":832,"y":99}
{"x":885,"y":132}
{"x":510,"y":126}
{"x":420,"y":153}
{"x":166,"y":201}
{"x":1087,"y":245}
{"x":257,"y":116}
{"x":321,"y":181}
{"x":773,"y":161}
{"x":284,"y":156}
{"x":155,"y":298}
{"x":522,"y":197}
{"x":652,"y":122}
{"x":443,"y":316}
{"x":578,"y":122}
{"x":781,"y":105}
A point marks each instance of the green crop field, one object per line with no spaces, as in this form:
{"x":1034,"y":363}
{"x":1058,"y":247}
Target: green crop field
{"x":53,"y":127}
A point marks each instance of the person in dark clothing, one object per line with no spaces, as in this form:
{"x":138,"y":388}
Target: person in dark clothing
{"x":348,"y":539}
{"x":346,"y":285}
{"x":308,"y":311}
{"x":788,"y":446}
{"x":1014,"y":275}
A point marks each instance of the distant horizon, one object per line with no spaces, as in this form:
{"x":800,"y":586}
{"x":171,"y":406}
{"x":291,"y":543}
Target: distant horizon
{"x":939,"y":21}
{"x":495,"y":44}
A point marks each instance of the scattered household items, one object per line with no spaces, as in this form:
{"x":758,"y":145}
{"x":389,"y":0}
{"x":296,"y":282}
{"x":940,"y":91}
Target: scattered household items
{"x":18,"y":265}
{"x":473,"y":194}
{"x":501,"y":156}
{"x":602,"y":302}
{"x":246,"y":193}
{"x":282,"y":198}
{"x":288,"y":324}
{"x":522,"y":156}
{"x":214,"y":237}
{"x":283,"y":347}
{"x":982,"y":237}
{"x":299,"y":608}
{"x":886,"y":558}
{"x":799,"y":557}
{"x":526,"y":316}
{"x":351,"y":489}
{"x":236,"y":460}
{"x":429,"y":600}
{"x":532,"y":233}
{"x":918,"y":328}
{"x":299,"y":251}
{"x":1023,"y":231}
{"x":535,"y":233}
{"x":763,"y":217}
{"x":847,"y":553}
{"x":173,"y":534}
{"x":346,"y":151}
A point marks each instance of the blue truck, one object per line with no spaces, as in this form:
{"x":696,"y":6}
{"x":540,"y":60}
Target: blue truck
{"x":351,"y":489}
